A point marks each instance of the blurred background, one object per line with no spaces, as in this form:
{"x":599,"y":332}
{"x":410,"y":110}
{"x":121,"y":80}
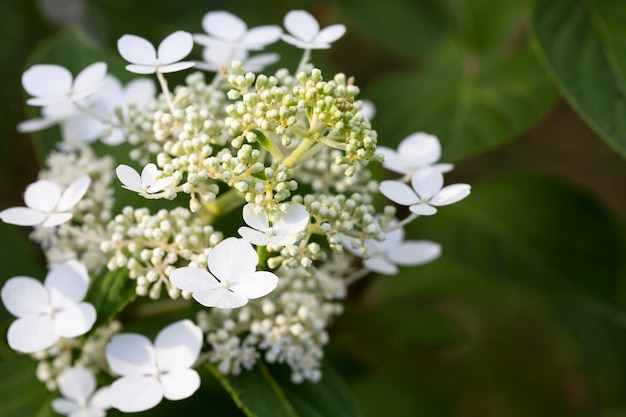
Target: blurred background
{"x":524,"y":313}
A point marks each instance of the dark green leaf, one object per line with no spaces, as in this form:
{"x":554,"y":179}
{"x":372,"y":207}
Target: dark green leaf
{"x":110,"y":293}
{"x":583,"y":44}
{"x":21,"y":393}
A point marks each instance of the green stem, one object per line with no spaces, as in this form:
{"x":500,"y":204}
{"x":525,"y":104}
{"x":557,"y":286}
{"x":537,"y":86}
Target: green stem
{"x":224,"y":203}
{"x":297,"y":153}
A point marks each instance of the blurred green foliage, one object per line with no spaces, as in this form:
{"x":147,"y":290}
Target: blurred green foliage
{"x":524,"y":314}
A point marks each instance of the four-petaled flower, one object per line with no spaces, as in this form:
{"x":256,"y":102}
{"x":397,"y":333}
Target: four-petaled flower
{"x":46,"y":312}
{"x":149,"y":371}
{"x":145,"y":59}
{"x":47,"y":204}
{"x":427,"y":192}
{"x":226,"y":30}
{"x":146,"y":183}
{"x":232,"y":280}
{"x":416,"y":151}
{"x":304,"y":31}
{"x":284,"y":228}
{"x":77,"y":385}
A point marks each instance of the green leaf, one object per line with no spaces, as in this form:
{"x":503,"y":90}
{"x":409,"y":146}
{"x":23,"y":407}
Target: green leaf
{"x":21,"y":393}
{"x":110,"y":293}
{"x":265,"y":392}
{"x":583,"y":44}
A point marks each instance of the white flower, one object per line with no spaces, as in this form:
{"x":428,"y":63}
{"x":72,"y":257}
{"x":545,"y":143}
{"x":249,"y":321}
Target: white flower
{"x":53,"y":84}
{"x":426,"y":192}
{"x":47,"y":312}
{"x":394,"y":250}
{"x":146,"y":183}
{"x":232,"y":279}
{"x":144,"y":59}
{"x":416,"y":151}
{"x":224,"y":29}
{"x":215,"y":57}
{"x":284,"y":228}
{"x":77,"y":385}
{"x":47,"y":204}
{"x":304,"y":31}
{"x":150,"y":372}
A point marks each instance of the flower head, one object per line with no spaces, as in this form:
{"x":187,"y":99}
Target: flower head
{"x":283,"y":230}
{"x":146,"y":183}
{"x":232,"y":278}
{"x":304,"y":31}
{"x":145,"y":59}
{"x":47,"y":312}
{"x":149,"y":371}
{"x":426,"y":192}
{"x":228,"y":31}
{"x":416,"y":151}
{"x":47,"y":204}
{"x":77,"y":386}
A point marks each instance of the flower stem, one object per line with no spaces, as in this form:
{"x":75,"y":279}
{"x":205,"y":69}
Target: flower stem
{"x":304,"y":60}
{"x":297,"y":153}
{"x":224,"y":203}
{"x":166,"y":91}
{"x":355,"y":276}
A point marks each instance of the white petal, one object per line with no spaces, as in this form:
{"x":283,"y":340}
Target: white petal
{"x":175,"y":47}
{"x":35,"y":125}
{"x":301,"y":24}
{"x":73,"y":194}
{"x":420,"y":149}
{"x":381,"y":265}
{"x":42,"y":195}
{"x":47,"y":81}
{"x":22,"y":216}
{"x":398,"y":192}
{"x":253,"y":236}
{"x":260,"y":36}
{"x":282,"y":240}
{"x":31,"y":334}
{"x":258,"y":221}
{"x":75,"y":320}
{"x":101,"y":399}
{"x":139,"y":91}
{"x":292,"y":40}
{"x":180,"y":384}
{"x":56,"y":219}
{"x":136,"y":50}
{"x":224,"y":25}
{"x":427,"y":182}
{"x":392,"y":161}
{"x":128,"y":177}
{"x":148,"y":174}
{"x":141,"y":69}
{"x":330,"y":34}
{"x":192,"y":279}
{"x":395,"y":237}
{"x":160,"y":184}
{"x":131,"y":394}
{"x":82,"y":128}
{"x":415,"y":252}
{"x":232,"y":258}
{"x":451,"y":194}
{"x":88,"y":413}
{"x":177,"y":66}
{"x":67,"y":283}
{"x":443,"y":168}
{"x":24,"y":296}
{"x":77,"y":384}
{"x":292,"y":220}
{"x":423,"y":209}
{"x":220,"y":298}
{"x":131,"y":354}
{"x":256,"y":285}
{"x":178,"y":345}
{"x":258,"y":62}
{"x":89,"y":80}
{"x":63,"y":406}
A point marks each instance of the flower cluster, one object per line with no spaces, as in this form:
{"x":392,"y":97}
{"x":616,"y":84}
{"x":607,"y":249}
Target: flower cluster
{"x":246,"y":202}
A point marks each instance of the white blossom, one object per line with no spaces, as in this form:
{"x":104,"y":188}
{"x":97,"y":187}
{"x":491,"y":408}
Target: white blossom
{"x":47,"y":204}
{"x":215,"y":57}
{"x":416,"y":151}
{"x":149,"y":371}
{"x":46,"y":312}
{"x":232,"y":278}
{"x":145,"y":59}
{"x":78,"y":386}
{"x":228,"y":31}
{"x":304,"y":31}
{"x":284,"y":228}
{"x":426,"y":192}
{"x":146,"y":183}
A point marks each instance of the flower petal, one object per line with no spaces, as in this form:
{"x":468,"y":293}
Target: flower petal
{"x":47,"y":81}
{"x":292,"y":220}
{"x":258,"y":221}
{"x":177,"y":66}
{"x":451,"y":194}
{"x":77,"y":384}
{"x":256,"y":285}
{"x":73,"y":194}
{"x":139,"y":91}
{"x":427,"y":182}
{"x":141,"y":69}
{"x":67,"y":283}
{"x":56,"y":219}
{"x":23,"y":296}
{"x":330,"y":34}
{"x":136,"y":50}
{"x":131,"y":354}
{"x":131,"y":394}
{"x":254,"y":237}
{"x":420,"y":149}
{"x":224,"y":25}
{"x":89,"y":80}
{"x":301,"y":24}
{"x":232,"y":258}
{"x":392,"y":161}
{"x":148,"y":174}
{"x":175,"y":47}
{"x":381,"y":265}
{"x":260,"y":36}
{"x":42,"y":195}
{"x":129,"y":178}
{"x":160,"y":185}
{"x":282,"y":240}
{"x":220,"y":298}
{"x":31,"y":334}
{"x":398,"y":192}
{"x":35,"y":125}
{"x":101,"y":399}
{"x":423,"y":209}
{"x":63,"y":406}
{"x":415,"y":252}
{"x":74,"y":321}
{"x":180,"y":384}
{"x":177,"y":346}
{"x":192,"y":279}
{"x":22,"y":216}
{"x":258,"y":62}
